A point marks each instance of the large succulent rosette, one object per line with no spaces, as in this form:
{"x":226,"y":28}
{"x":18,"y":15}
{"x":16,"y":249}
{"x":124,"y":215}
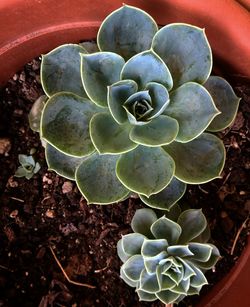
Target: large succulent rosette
{"x":165,"y":259}
{"x":133,"y":116}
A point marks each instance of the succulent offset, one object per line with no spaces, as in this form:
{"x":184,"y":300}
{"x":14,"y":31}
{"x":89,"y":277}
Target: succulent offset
{"x":166,"y":260}
{"x":136,"y":115}
{"x":28,"y":167}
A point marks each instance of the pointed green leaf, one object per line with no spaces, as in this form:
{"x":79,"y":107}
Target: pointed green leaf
{"x":26,"y":161}
{"x":179,"y":251}
{"x":145,"y":170}
{"x":174,"y":213}
{"x":198,"y":161}
{"x":127,"y":280}
{"x":133,"y":267}
{"x":215,"y":256}
{"x":98,"y":71}
{"x":36,"y":113}
{"x":192,"y":223}
{"x":164,"y":281}
{"x":144,"y":296}
{"x":109,"y":137}
{"x":225,"y":100}
{"x":164,"y":228}
{"x":160,"y":131}
{"x":151,"y":263}
{"x":151,"y":248}
{"x":65,"y":124}
{"x":204,"y":236}
{"x":127,"y":31}
{"x":60,"y":70}
{"x":165,"y":199}
{"x":182,"y":287}
{"x":186,"y":51}
{"x":62,"y":164}
{"x":160,"y":98}
{"x":132,"y":243}
{"x":121,"y":252}
{"x":193,"y":107}
{"x":199,"y":279}
{"x":142,"y":221}
{"x":202,"y":252}
{"x":149,"y":282}
{"x":22,"y":172}
{"x":147,"y":67}
{"x":118,"y":93}
{"x":97,"y":181}
{"x":167,"y":296}
{"x":194,"y":290}
{"x":188,"y":271}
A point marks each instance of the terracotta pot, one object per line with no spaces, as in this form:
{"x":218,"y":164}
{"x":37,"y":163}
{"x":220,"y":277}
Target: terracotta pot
{"x":32,"y":27}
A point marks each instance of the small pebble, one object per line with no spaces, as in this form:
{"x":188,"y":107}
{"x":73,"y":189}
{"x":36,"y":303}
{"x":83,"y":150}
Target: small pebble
{"x":14,"y":214}
{"x":67,"y":187}
{"x":50,"y":213}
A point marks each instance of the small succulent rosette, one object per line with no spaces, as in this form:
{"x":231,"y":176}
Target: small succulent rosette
{"x":164,"y":259}
{"x":136,"y":115}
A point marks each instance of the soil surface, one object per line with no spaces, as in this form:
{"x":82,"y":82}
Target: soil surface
{"x":46,"y":227}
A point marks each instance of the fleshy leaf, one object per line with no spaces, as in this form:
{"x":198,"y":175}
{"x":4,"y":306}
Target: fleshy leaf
{"x":167,"y":296}
{"x":179,"y":251}
{"x":97,"y":181}
{"x":62,"y":164}
{"x":202,"y":252}
{"x":192,"y":223}
{"x":118,"y":93}
{"x":36,"y":113}
{"x":145,"y":296}
{"x":164,"y":228}
{"x":186,"y":51}
{"x":198,"y":161}
{"x":151,"y":263}
{"x":126,"y":31}
{"x":98,"y":71}
{"x":121,"y":252}
{"x":60,"y":70}
{"x":160,"y":98}
{"x":215,"y":256}
{"x":109,"y":137}
{"x":198,"y":279}
{"x":65,"y":123}
{"x":225,"y":100}
{"x":133,"y":267}
{"x":160,"y":131}
{"x":132,"y":243}
{"x":182,"y":287}
{"x":193,"y":108}
{"x":145,"y":170}
{"x":149,"y":282}
{"x":165,"y":199}
{"x":188,"y":271}
{"x":151,"y":248}
{"x":127,"y":280}
{"x":147,"y":67}
{"x":142,"y":221}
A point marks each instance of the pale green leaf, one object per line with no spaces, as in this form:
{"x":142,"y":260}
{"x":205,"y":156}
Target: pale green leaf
{"x":133,"y":267}
{"x":145,"y":170}
{"x":35,"y":113}
{"x":179,"y":251}
{"x":144,"y":296}
{"x":151,"y":248}
{"x":121,"y":252}
{"x":149,"y":282}
{"x":202,"y":252}
{"x":132,"y":243}
{"x":167,"y":296}
{"x":142,"y":221}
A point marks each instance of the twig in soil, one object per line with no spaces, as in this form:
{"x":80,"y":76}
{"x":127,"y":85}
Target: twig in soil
{"x":238,"y":234}
{"x":5,"y":268}
{"x":204,"y":191}
{"x":65,"y":274}
{"x":226,"y":179}
{"x":18,"y":199}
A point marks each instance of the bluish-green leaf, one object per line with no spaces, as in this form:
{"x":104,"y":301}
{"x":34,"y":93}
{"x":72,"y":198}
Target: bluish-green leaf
{"x":133,"y":267}
{"x":132,"y":243}
{"x":160,"y":131}
{"x":151,"y":263}
{"x":145,"y":170}
{"x":159,"y":97}
{"x":226,"y":101}
{"x":198,"y":161}
{"x":186,"y":51}
{"x":127,"y":280}
{"x":60,"y":70}
{"x":98,"y":71}
{"x":62,"y":164}
{"x":147,"y":67}
{"x":202,"y":252}
{"x":142,"y":221}
{"x":145,"y":296}
{"x":36,"y":113}
{"x":198,"y":279}
{"x":164,"y":228}
{"x":179,"y":251}
{"x":151,"y":248}
{"x":109,"y":137}
{"x":167,"y":296}
{"x":121,"y":252}
{"x":118,"y":93}
{"x":127,"y":31}
{"x":65,"y":123}
{"x":149,"y":282}
{"x":165,"y":199}
{"x":193,"y":223}
{"x":215,"y":256}
{"x":182,"y":287}
{"x":193,"y":107}
{"x":97,"y":181}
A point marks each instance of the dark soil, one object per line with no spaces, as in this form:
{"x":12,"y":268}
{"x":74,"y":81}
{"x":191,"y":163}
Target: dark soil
{"x":47,"y":212}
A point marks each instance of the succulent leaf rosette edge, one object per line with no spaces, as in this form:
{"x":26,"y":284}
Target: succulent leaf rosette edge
{"x":136,"y":115}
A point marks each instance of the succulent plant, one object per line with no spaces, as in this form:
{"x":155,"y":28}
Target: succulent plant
{"x":164,"y":259}
{"x":28,"y":167}
{"x":134,"y":116}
